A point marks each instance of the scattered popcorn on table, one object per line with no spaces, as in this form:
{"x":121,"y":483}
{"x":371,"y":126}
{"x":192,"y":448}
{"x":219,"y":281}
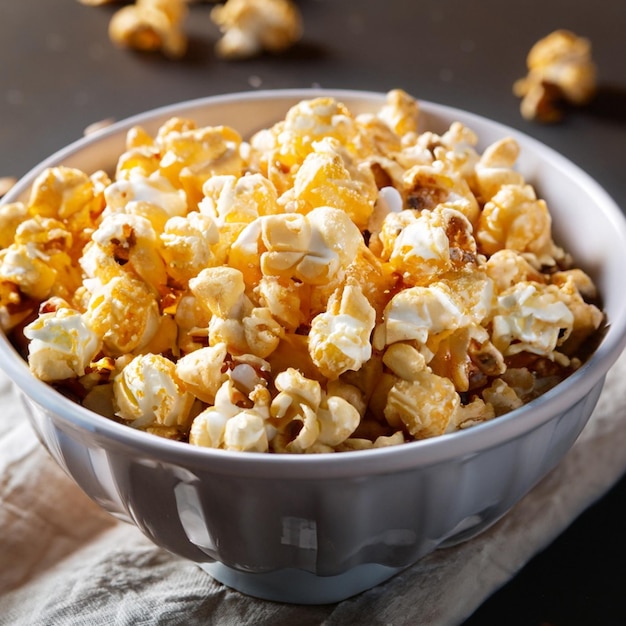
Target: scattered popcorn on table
{"x":560,"y":69}
{"x":332,"y":283}
{"x":250,"y":27}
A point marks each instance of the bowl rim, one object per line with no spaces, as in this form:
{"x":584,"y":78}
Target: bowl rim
{"x":443,"y":448}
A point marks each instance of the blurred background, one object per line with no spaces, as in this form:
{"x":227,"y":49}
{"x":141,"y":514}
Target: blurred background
{"x":60,"y":73}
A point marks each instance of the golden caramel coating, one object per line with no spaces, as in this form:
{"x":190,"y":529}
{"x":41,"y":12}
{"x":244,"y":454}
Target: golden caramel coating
{"x":250,"y":27}
{"x":334,"y":283}
{"x":560,"y":69}
{"x":151,"y":25}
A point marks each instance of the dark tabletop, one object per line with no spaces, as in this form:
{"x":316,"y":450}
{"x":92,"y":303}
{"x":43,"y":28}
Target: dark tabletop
{"x":60,"y":73}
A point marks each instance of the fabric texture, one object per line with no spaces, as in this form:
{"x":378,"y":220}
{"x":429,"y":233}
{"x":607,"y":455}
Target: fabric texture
{"x":65,"y":561}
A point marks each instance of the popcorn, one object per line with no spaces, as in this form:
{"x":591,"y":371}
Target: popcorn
{"x":190,"y":156}
{"x":124,"y":313}
{"x":250,"y":27}
{"x":61,"y":344}
{"x":324,"y":180}
{"x":531,"y":318}
{"x":335,"y":283}
{"x":152,"y":196}
{"x":130,"y":241}
{"x":11,"y":216}
{"x":147,"y":392}
{"x":424,"y":405}
{"x":314,"y":248}
{"x":400,"y":112}
{"x":416,"y":313}
{"x":339,"y":338}
{"x":427,"y":186}
{"x":151,"y":25}
{"x":28,"y":269}
{"x":69,"y":195}
{"x":229,"y":198}
{"x":560,"y":68}
{"x":495,"y":168}
{"x":6,"y":184}
{"x":515,"y":219}
{"x":426,"y":247}
{"x":186,"y":245}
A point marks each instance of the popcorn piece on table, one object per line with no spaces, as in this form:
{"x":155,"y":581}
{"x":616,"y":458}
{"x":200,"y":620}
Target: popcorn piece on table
{"x":560,"y":69}
{"x":250,"y":27}
{"x":151,"y":25}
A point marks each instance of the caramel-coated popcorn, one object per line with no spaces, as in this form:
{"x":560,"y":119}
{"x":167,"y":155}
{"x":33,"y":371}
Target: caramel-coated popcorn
{"x":332,"y":283}
{"x":560,"y":69}
{"x":151,"y":25}
{"x":250,"y":27}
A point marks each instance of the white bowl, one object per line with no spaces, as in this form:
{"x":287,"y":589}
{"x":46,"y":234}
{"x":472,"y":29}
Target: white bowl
{"x":319,"y":528}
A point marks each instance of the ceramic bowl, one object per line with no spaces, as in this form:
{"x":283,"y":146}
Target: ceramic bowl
{"x":320,"y":528}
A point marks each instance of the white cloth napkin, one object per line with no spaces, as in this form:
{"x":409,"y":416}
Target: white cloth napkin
{"x":65,"y":561}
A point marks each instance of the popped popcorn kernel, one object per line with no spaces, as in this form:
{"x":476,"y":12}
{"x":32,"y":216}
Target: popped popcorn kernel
{"x":400,"y":112}
{"x":11,"y":216}
{"x":201,"y":371}
{"x":339,"y":338}
{"x":151,"y":25}
{"x":424,"y":406}
{"x":516,"y":219}
{"x":187,"y":245}
{"x":147,"y":392}
{"x":531,"y":317}
{"x":250,"y":27}
{"x":124,"y":312}
{"x":427,"y":186}
{"x":69,"y":195}
{"x":193,"y":155}
{"x":495,"y":168}
{"x":324,"y":180}
{"x":560,"y":68}
{"x":232,"y":199}
{"x":220,"y":290}
{"x":61,"y":345}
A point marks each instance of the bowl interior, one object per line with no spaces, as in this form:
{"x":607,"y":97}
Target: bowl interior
{"x":586,"y":222}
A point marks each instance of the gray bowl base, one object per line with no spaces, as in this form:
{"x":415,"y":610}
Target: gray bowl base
{"x":294,"y":586}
